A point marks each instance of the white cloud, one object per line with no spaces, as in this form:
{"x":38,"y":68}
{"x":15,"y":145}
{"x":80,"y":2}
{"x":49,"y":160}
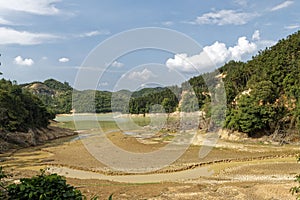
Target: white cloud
{"x":40,"y":7}
{"x":282,"y":5}
{"x":24,"y":62}
{"x":256,"y":35}
{"x":241,"y":2}
{"x":214,"y":55}
{"x":11,"y":36}
{"x":143,"y":75}
{"x":225,"y":17}
{"x":242,"y":48}
{"x":117,"y":64}
{"x":5,"y":22}
{"x":217,"y":53}
{"x":292,"y":26}
{"x":167,"y":23}
{"x":64,"y":60}
{"x":103,"y":84}
{"x":94,"y":33}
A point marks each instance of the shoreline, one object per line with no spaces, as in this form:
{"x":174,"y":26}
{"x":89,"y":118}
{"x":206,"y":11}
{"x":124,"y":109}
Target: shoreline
{"x":34,"y":138}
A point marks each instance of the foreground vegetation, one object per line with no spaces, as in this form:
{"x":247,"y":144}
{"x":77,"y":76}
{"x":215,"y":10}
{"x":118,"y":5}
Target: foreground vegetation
{"x":41,"y":187}
{"x":296,"y":189}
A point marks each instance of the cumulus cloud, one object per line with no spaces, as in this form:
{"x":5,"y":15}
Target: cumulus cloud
{"x":40,"y":7}
{"x":185,"y":63}
{"x":217,"y":53}
{"x":225,"y":17}
{"x":24,"y":62}
{"x":243,"y":47}
{"x":117,"y":64}
{"x":11,"y":36}
{"x":143,"y":75}
{"x":94,"y":33}
{"x":256,"y":35}
{"x":64,"y":60}
{"x":282,"y":5}
{"x":213,"y":55}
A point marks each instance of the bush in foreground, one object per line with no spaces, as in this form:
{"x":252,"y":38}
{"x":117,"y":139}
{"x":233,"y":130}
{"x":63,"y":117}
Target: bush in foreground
{"x":40,"y":187}
{"x":43,"y":187}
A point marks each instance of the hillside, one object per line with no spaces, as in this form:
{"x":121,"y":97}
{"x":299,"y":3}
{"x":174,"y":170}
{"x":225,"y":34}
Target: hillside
{"x":20,"y":110}
{"x":262,"y":94}
{"x":24,"y":118}
{"x":56,"y":95}
{"x":273,"y":81}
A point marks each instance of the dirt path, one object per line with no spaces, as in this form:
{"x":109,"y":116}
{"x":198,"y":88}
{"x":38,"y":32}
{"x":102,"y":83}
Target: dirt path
{"x":193,"y":173}
{"x":142,"y":178}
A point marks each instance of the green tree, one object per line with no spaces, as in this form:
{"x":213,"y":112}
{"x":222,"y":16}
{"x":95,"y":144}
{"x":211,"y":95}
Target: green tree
{"x":3,"y":184}
{"x":168,"y":105}
{"x":189,"y":103}
{"x":21,"y":110}
{"x":255,"y":110}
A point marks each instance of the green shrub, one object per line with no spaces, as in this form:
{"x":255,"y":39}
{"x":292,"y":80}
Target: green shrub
{"x":296,"y":190}
{"x":3,"y":190}
{"x":40,"y":187}
{"x":43,"y":187}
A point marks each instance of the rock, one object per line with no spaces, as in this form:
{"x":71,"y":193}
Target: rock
{"x":15,"y":140}
{"x":232,"y":136}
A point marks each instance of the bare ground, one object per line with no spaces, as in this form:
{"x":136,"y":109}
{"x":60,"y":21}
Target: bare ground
{"x":241,"y":171}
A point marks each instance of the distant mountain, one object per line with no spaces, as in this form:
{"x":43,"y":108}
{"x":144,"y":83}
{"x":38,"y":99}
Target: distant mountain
{"x":55,"y":95}
{"x":48,"y":87}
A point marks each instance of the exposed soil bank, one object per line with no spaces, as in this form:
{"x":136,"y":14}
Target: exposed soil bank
{"x":11,"y":141}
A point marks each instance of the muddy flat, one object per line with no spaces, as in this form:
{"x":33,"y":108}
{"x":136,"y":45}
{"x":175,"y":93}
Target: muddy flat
{"x":231,"y":170}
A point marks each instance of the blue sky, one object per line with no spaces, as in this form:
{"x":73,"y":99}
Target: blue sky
{"x":52,"y":38}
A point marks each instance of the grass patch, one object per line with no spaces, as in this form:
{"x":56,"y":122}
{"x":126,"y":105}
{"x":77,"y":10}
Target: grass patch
{"x":105,"y":121}
{"x":68,"y":125}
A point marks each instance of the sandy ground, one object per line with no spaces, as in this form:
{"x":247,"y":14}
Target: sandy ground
{"x":238,"y":171}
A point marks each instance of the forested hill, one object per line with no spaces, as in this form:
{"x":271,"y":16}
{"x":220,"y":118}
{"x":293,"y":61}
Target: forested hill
{"x":262,"y":94}
{"x":55,"y":95}
{"x":273,"y":81}
{"x":20,"y":110}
